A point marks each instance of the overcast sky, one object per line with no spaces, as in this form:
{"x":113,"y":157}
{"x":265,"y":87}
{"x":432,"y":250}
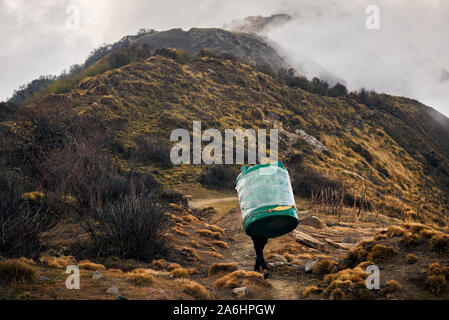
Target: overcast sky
{"x":405,"y":56}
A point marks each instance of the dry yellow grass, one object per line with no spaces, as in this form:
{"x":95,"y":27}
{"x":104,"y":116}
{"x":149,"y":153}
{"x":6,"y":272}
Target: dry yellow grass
{"x":337,"y":294}
{"x":363,"y":265}
{"x":411,"y":258}
{"x":214,"y":254}
{"x":57,"y":262}
{"x":216,"y":268}
{"x":180,"y":273}
{"x":15,"y":272}
{"x":241,"y":278}
{"x":209,"y":234}
{"x":312,"y":290}
{"x":190,"y":253}
{"x":173,"y":266}
{"x":158,"y":264}
{"x":141,"y":279}
{"x":180,"y":231}
{"x":380,"y":252}
{"x":195,"y":290}
{"x":436,"y":277}
{"x":88,"y":265}
{"x":324,"y":266}
{"x":221,"y":244}
{"x":391,"y":286}
{"x":195,"y":243}
{"x":440,"y":243}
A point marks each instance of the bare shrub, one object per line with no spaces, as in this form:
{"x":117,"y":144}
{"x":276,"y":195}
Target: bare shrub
{"x":21,"y":220}
{"x":218,"y":177}
{"x":131,"y":227}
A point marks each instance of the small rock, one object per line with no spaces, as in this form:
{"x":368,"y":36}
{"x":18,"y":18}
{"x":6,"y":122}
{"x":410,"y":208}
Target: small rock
{"x":44,"y":278}
{"x":121,"y":298}
{"x":309,"y":265}
{"x":312,"y":221}
{"x":240,"y":292}
{"x":278,"y":258}
{"x":156,"y":291}
{"x":97,"y":275}
{"x":113,"y":290}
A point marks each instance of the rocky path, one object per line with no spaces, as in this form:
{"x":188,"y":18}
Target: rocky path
{"x":334,"y":241}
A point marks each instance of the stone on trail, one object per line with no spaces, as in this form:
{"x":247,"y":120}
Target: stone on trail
{"x":113,"y":290}
{"x":97,"y":275}
{"x":312,"y":221}
{"x":309,"y":265}
{"x":278,"y":258}
{"x":240,"y":292}
{"x":309,"y":241}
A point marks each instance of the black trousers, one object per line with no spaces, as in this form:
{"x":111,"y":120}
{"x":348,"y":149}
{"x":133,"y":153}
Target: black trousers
{"x":259,"y":244}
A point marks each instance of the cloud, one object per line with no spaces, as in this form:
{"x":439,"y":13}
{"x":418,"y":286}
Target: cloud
{"x":407,"y":56}
{"x":404,"y":57}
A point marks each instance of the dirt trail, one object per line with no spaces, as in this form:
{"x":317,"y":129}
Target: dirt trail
{"x":207,"y":202}
{"x":241,"y":249}
{"x":286,"y":285}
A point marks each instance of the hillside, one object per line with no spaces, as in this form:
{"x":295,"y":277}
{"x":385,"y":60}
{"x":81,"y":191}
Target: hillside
{"x":394,"y":147}
{"x":103,"y":146}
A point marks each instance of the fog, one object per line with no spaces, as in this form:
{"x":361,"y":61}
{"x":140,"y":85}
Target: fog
{"x":406,"y":56}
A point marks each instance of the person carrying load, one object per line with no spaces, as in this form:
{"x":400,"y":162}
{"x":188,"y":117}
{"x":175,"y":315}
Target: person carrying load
{"x":267,"y":205}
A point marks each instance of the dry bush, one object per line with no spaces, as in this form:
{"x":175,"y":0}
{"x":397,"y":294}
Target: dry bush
{"x":216,"y":268}
{"x":173,"y":266}
{"x":195,"y":290}
{"x":440,"y":243}
{"x":16,"y":272}
{"x":218,"y":177}
{"x":195,"y":243}
{"x":436,"y":278}
{"x":436,"y":283}
{"x":411,"y":258}
{"x":158,"y":264}
{"x":363,"y":265}
{"x":190,"y":253}
{"x":180,"y":231}
{"x":391,"y":286}
{"x":152,"y":150}
{"x":141,"y":279}
{"x":132,"y":227}
{"x":221,"y":244}
{"x":324,"y":266}
{"x":21,"y":219}
{"x":415,"y":227}
{"x":354,"y":256}
{"x":180,"y":273}
{"x":241,"y":278}
{"x":214,"y":254}
{"x":350,"y":281}
{"x":428,"y":233}
{"x":380,"y":252}
{"x":57,"y":262}
{"x":88,"y":265}
{"x":395,"y":231}
{"x":337,"y":294}
{"x":209,"y":234}
{"x":312,"y":290}
{"x":214,"y":228}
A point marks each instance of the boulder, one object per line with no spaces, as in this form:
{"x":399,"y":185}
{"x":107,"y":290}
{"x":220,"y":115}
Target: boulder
{"x":313,"y":221}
